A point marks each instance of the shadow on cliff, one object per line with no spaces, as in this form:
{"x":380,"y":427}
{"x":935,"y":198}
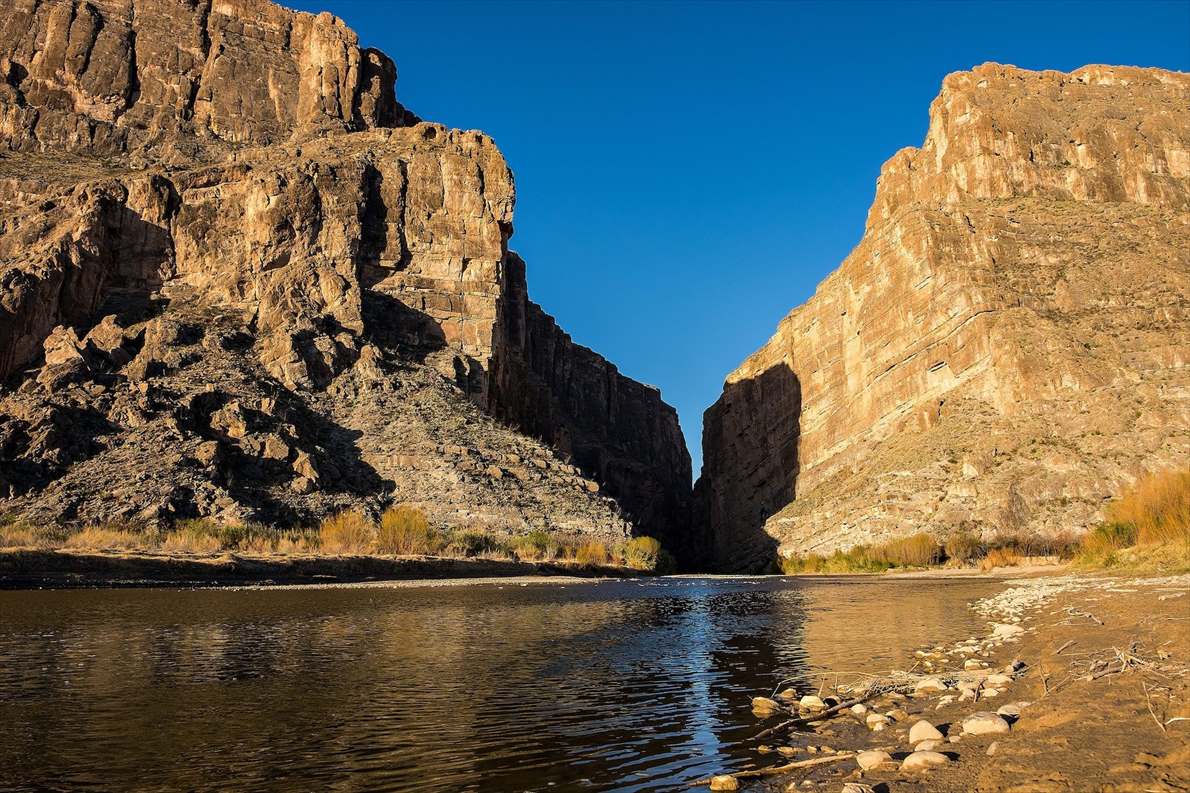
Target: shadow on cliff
{"x":750,"y":469}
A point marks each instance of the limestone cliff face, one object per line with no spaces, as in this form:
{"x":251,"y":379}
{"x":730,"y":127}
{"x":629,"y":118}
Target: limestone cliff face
{"x":237,"y":279}
{"x":1005,"y":347}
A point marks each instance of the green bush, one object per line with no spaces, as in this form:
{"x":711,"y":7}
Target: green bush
{"x":538,"y":545}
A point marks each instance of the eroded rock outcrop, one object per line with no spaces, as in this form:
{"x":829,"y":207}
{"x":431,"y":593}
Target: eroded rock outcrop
{"x":1007,"y":344}
{"x":237,"y":279}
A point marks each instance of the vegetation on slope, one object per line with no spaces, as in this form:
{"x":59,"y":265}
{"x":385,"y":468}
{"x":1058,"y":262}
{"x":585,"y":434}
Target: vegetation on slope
{"x":402,"y":530}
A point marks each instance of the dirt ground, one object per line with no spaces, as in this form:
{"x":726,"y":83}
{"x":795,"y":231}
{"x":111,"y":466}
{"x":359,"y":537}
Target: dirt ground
{"x":1105,"y":696}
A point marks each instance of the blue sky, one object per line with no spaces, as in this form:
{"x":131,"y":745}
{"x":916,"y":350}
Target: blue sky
{"x":688,"y":172}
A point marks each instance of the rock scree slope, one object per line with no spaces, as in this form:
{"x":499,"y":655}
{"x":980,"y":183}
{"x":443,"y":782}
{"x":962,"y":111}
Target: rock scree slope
{"x":239,"y":280}
{"x":1006,"y":346}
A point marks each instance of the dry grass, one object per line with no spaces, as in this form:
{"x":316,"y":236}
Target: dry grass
{"x":103,"y":538}
{"x":919,"y":550}
{"x":404,"y":530}
{"x":347,"y":532}
{"x":964,"y":546}
{"x":18,"y":535}
{"x":592,"y":553}
{"x":188,"y":541}
{"x":1000,"y":557}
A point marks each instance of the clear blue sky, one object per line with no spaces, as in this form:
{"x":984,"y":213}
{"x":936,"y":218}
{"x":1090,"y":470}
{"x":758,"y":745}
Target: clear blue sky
{"x":688,"y":172}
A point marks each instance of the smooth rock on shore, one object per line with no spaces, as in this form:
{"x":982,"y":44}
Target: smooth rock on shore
{"x":724,"y":782}
{"x":873,"y":758}
{"x":921,"y":761}
{"x":985,"y":723}
{"x":924,"y":731}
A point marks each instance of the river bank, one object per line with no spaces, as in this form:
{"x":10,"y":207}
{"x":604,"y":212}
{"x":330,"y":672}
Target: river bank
{"x":28,"y":568}
{"x":1081,"y":682}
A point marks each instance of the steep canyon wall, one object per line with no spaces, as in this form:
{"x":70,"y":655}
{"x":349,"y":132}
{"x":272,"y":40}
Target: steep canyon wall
{"x":1006,"y":346}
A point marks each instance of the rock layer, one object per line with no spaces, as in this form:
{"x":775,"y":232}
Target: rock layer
{"x":237,"y":279}
{"x":1006,"y":346}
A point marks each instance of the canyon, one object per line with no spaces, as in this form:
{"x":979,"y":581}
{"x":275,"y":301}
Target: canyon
{"x":240,"y":281}
{"x":1006,"y":346}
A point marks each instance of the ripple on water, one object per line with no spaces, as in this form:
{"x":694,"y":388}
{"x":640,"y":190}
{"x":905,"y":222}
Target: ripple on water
{"x":632,"y":685}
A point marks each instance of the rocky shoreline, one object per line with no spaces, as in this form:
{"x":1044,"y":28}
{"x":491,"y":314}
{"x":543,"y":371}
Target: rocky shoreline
{"x":996,"y":711}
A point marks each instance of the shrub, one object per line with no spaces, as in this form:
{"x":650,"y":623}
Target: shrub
{"x":642,"y":553}
{"x":345,"y":532}
{"x":472,"y":543}
{"x":1157,"y":507}
{"x":592,"y":553}
{"x":919,"y":550}
{"x":536,"y":545}
{"x":963,"y":546}
{"x":404,"y":530}
{"x":1101,"y":544}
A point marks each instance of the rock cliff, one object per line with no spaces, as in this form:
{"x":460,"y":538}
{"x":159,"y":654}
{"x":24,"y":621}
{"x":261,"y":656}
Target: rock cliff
{"x":239,"y":280}
{"x":1008,"y":343}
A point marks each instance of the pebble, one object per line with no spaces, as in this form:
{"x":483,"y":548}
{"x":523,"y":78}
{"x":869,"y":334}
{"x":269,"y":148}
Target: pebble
{"x":954,"y":738}
{"x":724,"y":782}
{"x":1012,"y":710}
{"x":764,"y":706}
{"x":971,"y":664}
{"x":930,"y":684}
{"x":946,"y":700}
{"x":998,"y":681}
{"x":857,"y":787}
{"x":898,"y":715}
{"x":1005,"y":630}
{"x":993,"y":747}
{"x":872,"y":759}
{"x":923,"y":731}
{"x":859,"y":710}
{"x":920,"y":761}
{"x":985,"y":723}
{"x":876,"y":718}
{"x":928,"y":746}
{"x":811,"y":702}
{"x":787,"y":751}
{"x":788,"y":694}
{"x":991,"y":692}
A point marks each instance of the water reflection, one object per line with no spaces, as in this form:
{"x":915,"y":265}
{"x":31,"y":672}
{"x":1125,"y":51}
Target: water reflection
{"x":602,"y":686}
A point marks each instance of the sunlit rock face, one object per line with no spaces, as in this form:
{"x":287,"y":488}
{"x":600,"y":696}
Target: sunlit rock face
{"x":1005,"y":347}
{"x":239,"y":280}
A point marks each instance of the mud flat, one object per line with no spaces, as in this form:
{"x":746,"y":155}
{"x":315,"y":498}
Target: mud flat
{"x":1080,"y":683}
{"x":53,"y":569}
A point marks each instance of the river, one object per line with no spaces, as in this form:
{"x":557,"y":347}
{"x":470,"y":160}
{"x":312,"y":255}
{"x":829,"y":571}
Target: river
{"x":632,"y":685}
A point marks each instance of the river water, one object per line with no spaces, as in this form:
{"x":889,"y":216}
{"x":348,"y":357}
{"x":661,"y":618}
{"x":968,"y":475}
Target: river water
{"x":612,"y":685}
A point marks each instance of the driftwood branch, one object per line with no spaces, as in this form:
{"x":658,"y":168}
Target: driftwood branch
{"x":778,"y":769}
